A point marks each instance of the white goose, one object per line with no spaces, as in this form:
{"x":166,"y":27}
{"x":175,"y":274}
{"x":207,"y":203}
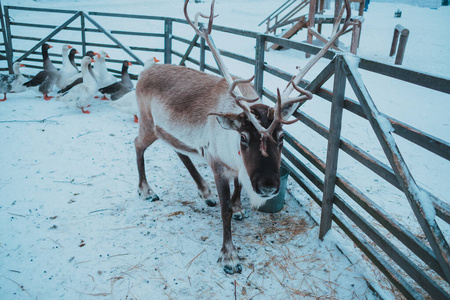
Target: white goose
{"x":67,"y":70}
{"x":128,"y":102}
{"x":104,"y":78}
{"x":84,"y":91}
{"x":17,"y":85}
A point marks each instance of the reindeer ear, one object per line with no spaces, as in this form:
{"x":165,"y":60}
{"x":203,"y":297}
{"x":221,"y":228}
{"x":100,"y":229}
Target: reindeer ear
{"x":270,"y":113}
{"x":229,"y":121}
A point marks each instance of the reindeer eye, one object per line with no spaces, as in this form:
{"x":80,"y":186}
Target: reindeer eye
{"x":280,"y":138}
{"x":244,"y":139}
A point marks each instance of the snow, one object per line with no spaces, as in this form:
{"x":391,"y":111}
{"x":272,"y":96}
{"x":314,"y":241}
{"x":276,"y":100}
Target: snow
{"x":73,"y":226}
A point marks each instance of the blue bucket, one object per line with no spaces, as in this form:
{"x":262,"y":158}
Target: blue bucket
{"x":276,"y":203}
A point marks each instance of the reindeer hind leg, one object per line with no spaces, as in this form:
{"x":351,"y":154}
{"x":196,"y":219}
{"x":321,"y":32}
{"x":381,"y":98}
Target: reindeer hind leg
{"x":203,"y":188}
{"x":141,"y":143}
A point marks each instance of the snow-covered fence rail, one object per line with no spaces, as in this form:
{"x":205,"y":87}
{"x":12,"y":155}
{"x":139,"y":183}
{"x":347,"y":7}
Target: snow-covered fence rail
{"x":342,"y":201}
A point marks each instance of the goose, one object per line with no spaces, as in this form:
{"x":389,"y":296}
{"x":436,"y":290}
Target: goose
{"x":101,"y":72}
{"x":7,"y":81}
{"x":84,"y":91}
{"x":119,"y":88}
{"x":128,"y":103}
{"x":45,"y":79}
{"x":17,"y":85}
{"x":72,"y":53}
{"x":150,"y":62}
{"x":79,"y":78}
{"x":67,"y":70}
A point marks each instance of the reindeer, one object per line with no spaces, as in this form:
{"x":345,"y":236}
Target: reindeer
{"x":209,"y":116}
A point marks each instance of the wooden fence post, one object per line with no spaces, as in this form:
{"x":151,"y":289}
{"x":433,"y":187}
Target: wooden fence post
{"x":333,"y":147}
{"x":259,"y":63}
{"x":8,"y":42}
{"x":83,"y":35}
{"x":311,"y":22}
{"x":356,"y":35}
{"x":5,"y":40}
{"x":202,"y":54}
{"x":168,"y":41}
{"x":404,"y":33}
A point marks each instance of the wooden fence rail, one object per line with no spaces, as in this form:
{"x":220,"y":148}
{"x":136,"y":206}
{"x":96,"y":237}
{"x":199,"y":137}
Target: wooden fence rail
{"x":345,"y":206}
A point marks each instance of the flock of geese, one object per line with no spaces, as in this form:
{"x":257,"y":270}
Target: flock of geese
{"x":75,"y":86}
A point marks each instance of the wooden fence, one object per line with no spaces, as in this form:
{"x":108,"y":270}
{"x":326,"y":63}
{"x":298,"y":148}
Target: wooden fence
{"x":344,"y":205}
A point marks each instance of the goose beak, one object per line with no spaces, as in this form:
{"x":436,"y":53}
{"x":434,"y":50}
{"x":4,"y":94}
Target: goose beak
{"x":22,"y":65}
{"x":107,"y":55}
{"x":156,"y":60}
{"x":98,"y":55}
{"x":129,"y":63}
{"x":77,"y":52}
{"x":70,"y":47}
{"x":92,"y":60}
{"x":50,"y":46}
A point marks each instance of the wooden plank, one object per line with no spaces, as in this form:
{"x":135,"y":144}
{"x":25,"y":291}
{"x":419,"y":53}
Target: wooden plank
{"x":438,"y":83}
{"x":37,"y":9}
{"x":397,"y":229}
{"x":385,"y":172}
{"x":48,"y":37}
{"x":259,"y":63}
{"x":397,"y":279}
{"x":414,"y":135}
{"x":6,"y":41}
{"x":418,"y":202}
{"x":189,"y":49}
{"x":131,"y":16}
{"x":112,"y":38}
{"x":168,"y":41}
{"x":334,"y":138}
{"x":202,"y":54}
{"x":83,"y":34}
{"x":68,"y":28}
{"x":314,"y":32}
{"x":291,"y":32}
{"x":376,"y":166}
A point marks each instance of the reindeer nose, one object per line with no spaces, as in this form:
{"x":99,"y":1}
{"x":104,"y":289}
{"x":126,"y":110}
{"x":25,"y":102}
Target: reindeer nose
{"x":267,"y":187}
{"x":267,"y":191}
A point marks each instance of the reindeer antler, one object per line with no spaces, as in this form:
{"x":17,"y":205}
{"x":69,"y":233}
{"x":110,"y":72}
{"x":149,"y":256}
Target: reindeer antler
{"x":241,"y":101}
{"x":283,"y":100}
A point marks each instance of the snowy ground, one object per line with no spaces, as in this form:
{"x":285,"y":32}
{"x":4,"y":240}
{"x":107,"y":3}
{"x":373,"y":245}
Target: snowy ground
{"x":72,"y":225}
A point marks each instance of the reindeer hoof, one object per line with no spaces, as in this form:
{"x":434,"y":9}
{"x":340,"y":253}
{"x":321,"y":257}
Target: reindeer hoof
{"x":148,"y":195}
{"x":210,"y":202}
{"x":240,"y":215}
{"x":230,"y":262}
{"x":230,"y":270}
{"x":152,"y":198}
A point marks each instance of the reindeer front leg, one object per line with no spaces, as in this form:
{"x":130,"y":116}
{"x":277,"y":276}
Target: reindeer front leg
{"x":236,"y":204}
{"x":229,"y":256}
